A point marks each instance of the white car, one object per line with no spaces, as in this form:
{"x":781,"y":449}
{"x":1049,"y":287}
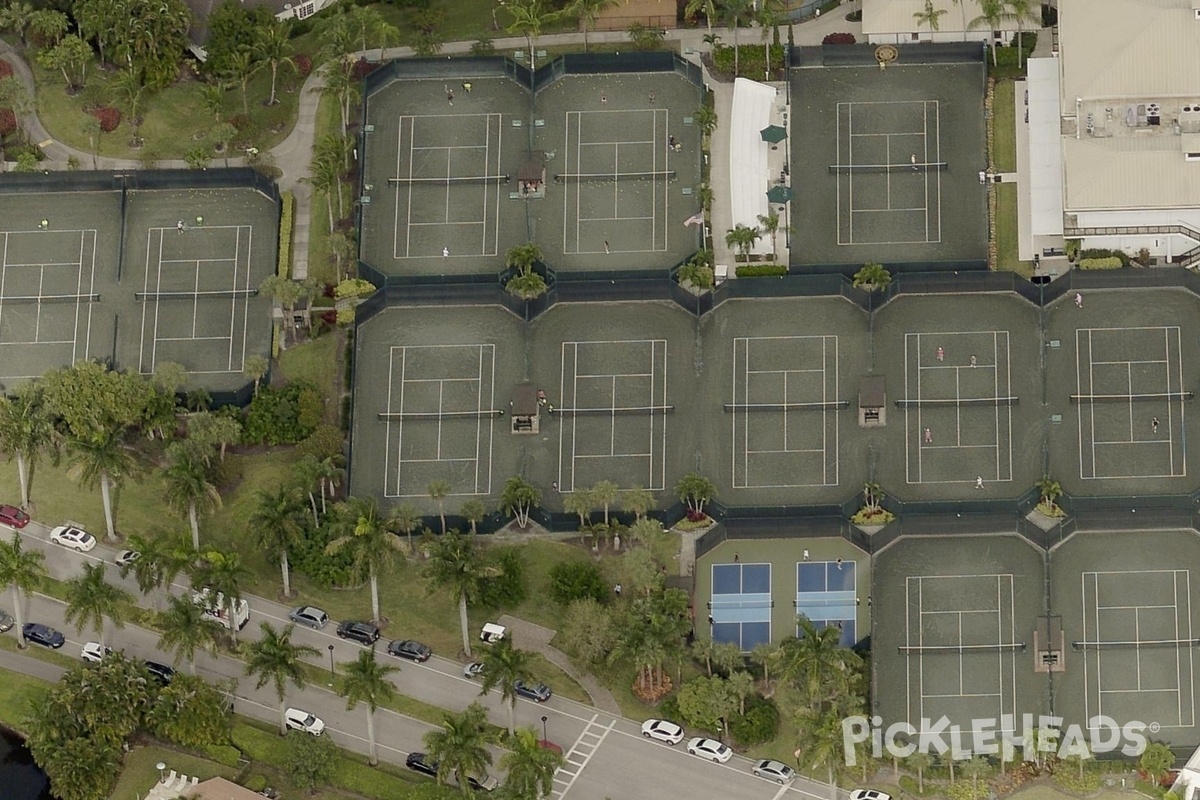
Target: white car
{"x":73,"y":537}
{"x":127,"y":557}
{"x":92,"y":652}
{"x":710,"y":749}
{"x":662,"y":730}
{"x":869,"y":794}
{"x":774,"y":770}
{"x":300,"y":720}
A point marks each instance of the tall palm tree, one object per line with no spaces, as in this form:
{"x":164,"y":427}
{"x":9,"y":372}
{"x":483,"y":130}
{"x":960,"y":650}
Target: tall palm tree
{"x":222,"y":574}
{"x":821,"y":744}
{"x":637,"y":501}
{"x":771,"y":224}
{"x":606,"y":493}
{"x":240,"y":69}
{"x":456,"y":565}
{"x":16,"y":17}
{"x":277,"y":526}
{"x":473,"y":511}
{"x":188,"y":489}
{"x":439,"y":490}
{"x":962,"y":11}
{"x":23,"y":571}
{"x":1023,"y":12}
{"x":275,"y":659}
{"x":734,"y":13}
{"x":529,"y":767}
{"x":528,"y":19}
{"x":816,"y":663}
{"x":992,"y":15}
{"x":586,"y":11}
{"x":460,"y":745}
{"x":184,"y":630}
{"x":329,"y":475}
{"x":930,"y":16}
{"x":164,"y":557}
{"x":304,"y":472}
{"x":366,"y":681}
{"x":706,"y":7}
{"x":743,"y":238}
{"x":406,"y":519}
{"x":503,"y":666}
{"x":102,"y":461}
{"x":361,"y":528}
{"x":91,"y":598}
{"x":273,"y":47}
{"x":26,"y":433}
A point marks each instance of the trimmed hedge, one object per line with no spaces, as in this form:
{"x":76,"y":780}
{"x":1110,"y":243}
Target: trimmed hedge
{"x":839,"y":38}
{"x":1109,"y":262}
{"x":761,"y":270}
{"x":285,"y":234}
{"x":1102,"y":252}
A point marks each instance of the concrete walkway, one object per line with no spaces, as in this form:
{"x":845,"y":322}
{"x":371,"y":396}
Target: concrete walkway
{"x":528,"y":636}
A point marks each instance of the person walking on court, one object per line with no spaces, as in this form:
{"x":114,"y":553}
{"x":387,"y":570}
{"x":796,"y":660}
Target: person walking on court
{"x":607,"y":249}
{"x":445,"y":252}
{"x":941,"y":354}
{"x":913,"y":160}
{"x":972,"y":361}
{"x":1154,"y":424}
{"x":928,"y":436}
{"x":652,"y":98}
{"x":467,"y":86}
{"x":979,"y":482}
{"x":179,"y":226}
{"x":450,"y":96}
{"x":1078,"y":300}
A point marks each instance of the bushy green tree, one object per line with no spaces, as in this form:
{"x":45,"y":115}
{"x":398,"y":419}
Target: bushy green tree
{"x":576,"y":580}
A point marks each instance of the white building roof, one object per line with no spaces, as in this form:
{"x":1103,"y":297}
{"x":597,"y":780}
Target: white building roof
{"x":1045,"y":148}
{"x":1127,"y":173}
{"x":896,"y":16}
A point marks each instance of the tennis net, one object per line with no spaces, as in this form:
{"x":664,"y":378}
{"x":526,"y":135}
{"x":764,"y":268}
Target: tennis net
{"x":603,"y":177}
{"x":449,"y":181}
{"x":213,"y":295}
{"x":919,"y":402}
{"x":962,"y":649}
{"x":614,"y":412}
{"x":828,"y":405}
{"x":1177,"y":643}
{"x":920,"y":166}
{"x":1131,"y":398}
{"x":437,"y":416}
{"x":51,"y":298}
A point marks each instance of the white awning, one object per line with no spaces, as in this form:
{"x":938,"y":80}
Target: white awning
{"x":749,"y":175}
{"x":1045,"y":148}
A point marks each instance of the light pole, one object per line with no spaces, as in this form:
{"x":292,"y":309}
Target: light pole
{"x":332,"y":675}
{"x":160,"y":766}
{"x":545,"y":738}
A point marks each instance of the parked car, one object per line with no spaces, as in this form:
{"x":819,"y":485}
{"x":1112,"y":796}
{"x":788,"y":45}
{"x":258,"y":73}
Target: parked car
{"x":13,"y":517}
{"x":160,"y":672}
{"x":73,"y":537}
{"x":92,"y":652}
{"x":663,"y":731}
{"x":298,"y":719}
{"x":127,"y":557}
{"x":309,"y":617}
{"x":710,"y":749}
{"x":6,"y":622}
{"x":537,"y":692}
{"x":473,"y":670}
{"x":774,"y":770}
{"x":410,"y":649}
{"x":485,"y":784}
{"x":869,"y":794}
{"x":42,"y":634}
{"x":361,"y":632}
{"x":419,"y":762}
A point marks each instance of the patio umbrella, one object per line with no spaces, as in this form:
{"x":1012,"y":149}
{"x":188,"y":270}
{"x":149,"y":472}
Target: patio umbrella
{"x":773,"y":134}
{"x":779,"y":194}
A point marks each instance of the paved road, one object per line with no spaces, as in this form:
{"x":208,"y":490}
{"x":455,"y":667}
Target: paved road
{"x":606,"y":755}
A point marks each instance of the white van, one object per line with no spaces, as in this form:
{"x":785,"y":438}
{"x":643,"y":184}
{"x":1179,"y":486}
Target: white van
{"x":216,"y":609}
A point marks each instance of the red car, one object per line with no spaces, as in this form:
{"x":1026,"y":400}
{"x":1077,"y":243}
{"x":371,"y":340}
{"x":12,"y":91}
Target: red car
{"x":13,"y":517}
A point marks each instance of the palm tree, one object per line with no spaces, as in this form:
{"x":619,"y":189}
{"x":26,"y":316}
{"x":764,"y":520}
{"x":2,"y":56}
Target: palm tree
{"x":372,"y":546}
{"x":366,"y":681}
{"x":240,"y":70}
{"x":1022,"y":12}
{"x":821,"y":744}
{"x":529,"y":767}
{"x":305,"y":473}
{"x":91,"y":598}
{"x":929,"y":16}
{"x":706,"y":7}
{"x":256,"y":368}
{"x":772,"y":225}
{"x":329,"y":475}
{"x":222,"y":574}
{"x":605,"y":493}
{"x":164,"y":557}
{"x":743,"y":238}
{"x":1049,"y":490}
{"x":920,"y":761}
{"x":962,"y":10}
{"x":528,"y":19}
{"x":455,"y":564}
{"x":16,"y":17}
{"x":188,"y":489}
{"x":276,"y":660}
{"x":184,"y":630}
{"x":586,"y":11}
{"x":102,"y":461}
{"x":706,"y":119}
{"x":503,"y":666}
{"x":637,"y":501}
{"x":273,"y":46}
{"x":518,"y":498}
{"x":438,"y":491}
{"x":406,"y":519}
{"x":815,"y":662}
{"x":978,"y":765}
{"x":473,"y":511}
{"x":741,"y":683}
{"x":872,"y":277}
{"x":26,"y":432}
{"x":767,"y":655}
{"x":733,"y":13}
{"x":694,"y":490}
{"x":991,"y":16}
{"x":23,"y":571}
{"x":460,"y":745}
{"x":277,"y":527}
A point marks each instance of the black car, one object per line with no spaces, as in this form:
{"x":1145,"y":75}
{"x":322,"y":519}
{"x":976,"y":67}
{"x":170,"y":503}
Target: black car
{"x":160,"y":672}
{"x":419,"y":762}
{"x":42,"y":634}
{"x":410,"y":649}
{"x":537,"y":692}
{"x":361,"y":632}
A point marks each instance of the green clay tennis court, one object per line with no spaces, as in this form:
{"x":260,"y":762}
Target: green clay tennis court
{"x":171,"y":277}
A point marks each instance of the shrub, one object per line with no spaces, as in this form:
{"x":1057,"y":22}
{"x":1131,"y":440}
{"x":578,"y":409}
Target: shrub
{"x":274,"y":416}
{"x":353,"y":287}
{"x":304,"y":65}
{"x":761,"y":270}
{"x":506,"y":589}
{"x":110,"y":118}
{"x":669,"y":707}
{"x":361,"y":68}
{"x":751,"y":60}
{"x":308,"y":557}
{"x":1101,"y":252}
{"x":8,"y":120}
{"x":576,"y":580}
{"x":310,"y":408}
{"x":285,"y":234}
{"x":326,"y":441}
{"x":839,"y":38}
{"x":256,"y":782}
{"x":759,"y":724}
{"x":1108,"y":262}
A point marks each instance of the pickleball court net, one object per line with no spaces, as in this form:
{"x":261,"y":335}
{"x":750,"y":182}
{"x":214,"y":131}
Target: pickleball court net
{"x":613,"y":177}
{"x":827,"y":405}
{"x":961,"y":649}
{"x":219,"y":294}
{"x":920,"y":402}
{"x":880,"y":169}
{"x":50,"y":298}
{"x":411,"y":180}
{"x":1134,"y":645}
{"x":1132,"y":398}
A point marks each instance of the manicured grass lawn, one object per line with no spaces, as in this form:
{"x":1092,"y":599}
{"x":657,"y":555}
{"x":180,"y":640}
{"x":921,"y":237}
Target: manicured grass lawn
{"x":1006,"y":231}
{"x":1005,"y":136}
{"x":320,"y":264}
{"x":315,"y":361}
{"x":466,"y":20}
{"x":140,"y":771}
{"x":16,"y":690}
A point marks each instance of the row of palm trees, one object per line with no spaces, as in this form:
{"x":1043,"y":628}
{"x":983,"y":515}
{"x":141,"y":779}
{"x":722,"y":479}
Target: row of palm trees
{"x":994,"y":15}
{"x":742,"y":237}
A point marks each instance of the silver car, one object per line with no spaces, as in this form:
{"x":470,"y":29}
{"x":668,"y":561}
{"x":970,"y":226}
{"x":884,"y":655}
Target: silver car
{"x":309,"y":617}
{"x":6,"y":622}
{"x":774,"y":770}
